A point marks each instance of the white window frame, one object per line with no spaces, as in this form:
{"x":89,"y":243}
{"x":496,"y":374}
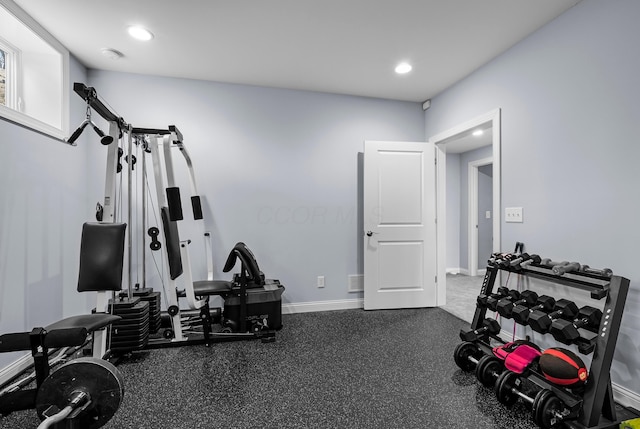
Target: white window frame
{"x":12,"y":68}
{"x":15,"y":112}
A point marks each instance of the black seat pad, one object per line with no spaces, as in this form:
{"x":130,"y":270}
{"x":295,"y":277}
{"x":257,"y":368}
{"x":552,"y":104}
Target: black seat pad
{"x":211,"y":287}
{"x":91,"y":322}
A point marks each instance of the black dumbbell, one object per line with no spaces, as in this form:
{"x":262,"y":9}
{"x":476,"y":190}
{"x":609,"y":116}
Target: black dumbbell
{"x":517,"y":259}
{"x":566,"y":331}
{"x":488,"y":369}
{"x":507,"y":259}
{"x":489,"y":327}
{"x":500,"y":259}
{"x":483,"y":297}
{"x":466,"y":355}
{"x":492,"y":300}
{"x":540,"y":321}
{"x":521,"y":313}
{"x":505,"y":306}
{"x":546,"y":408}
{"x":523,"y":260}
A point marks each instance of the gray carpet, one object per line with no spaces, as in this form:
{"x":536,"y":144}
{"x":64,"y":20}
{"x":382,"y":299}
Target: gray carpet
{"x":462,"y":292}
{"x":340,"y":369}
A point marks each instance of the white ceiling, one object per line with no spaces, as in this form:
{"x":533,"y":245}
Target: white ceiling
{"x":336,"y":46}
{"x":466,"y":141}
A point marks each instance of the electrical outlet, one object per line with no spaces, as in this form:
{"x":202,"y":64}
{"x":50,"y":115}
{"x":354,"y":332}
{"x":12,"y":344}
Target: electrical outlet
{"x":356,"y":283}
{"x":513,"y":214}
{"x":320,"y":281}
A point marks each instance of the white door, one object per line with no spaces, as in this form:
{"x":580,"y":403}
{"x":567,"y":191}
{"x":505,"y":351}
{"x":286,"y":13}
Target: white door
{"x":399,"y":223}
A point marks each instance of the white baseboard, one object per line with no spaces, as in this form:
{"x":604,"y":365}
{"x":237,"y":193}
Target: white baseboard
{"x":625,"y":397}
{"x":464,"y":271}
{"x":310,"y":307}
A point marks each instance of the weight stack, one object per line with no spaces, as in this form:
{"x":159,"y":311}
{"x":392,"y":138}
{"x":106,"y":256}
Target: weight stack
{"x":132,"y":331}
{"x":153,"y":298}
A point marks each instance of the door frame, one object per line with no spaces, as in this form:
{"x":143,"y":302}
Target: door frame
{"x":472,"y":225}
{"x":439,"y":141}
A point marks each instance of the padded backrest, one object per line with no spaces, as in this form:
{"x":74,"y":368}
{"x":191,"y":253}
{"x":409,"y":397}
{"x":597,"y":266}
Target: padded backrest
{"x":240,"y":250}
{"x":101,"y":256}
{"x":172,"y":239}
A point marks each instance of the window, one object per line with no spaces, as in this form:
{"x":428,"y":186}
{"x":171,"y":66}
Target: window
{"x":3,"y":78}
{"x":34,"y":70}
{"x":9,"y":59}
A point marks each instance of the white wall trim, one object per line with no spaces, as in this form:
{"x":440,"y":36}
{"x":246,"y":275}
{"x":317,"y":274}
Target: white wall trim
{"x":625,"y":397}
{"x":492,"y":116}
{"x":310,"y":307}
{"x":15,"y":368}
{"x":24,"y":119}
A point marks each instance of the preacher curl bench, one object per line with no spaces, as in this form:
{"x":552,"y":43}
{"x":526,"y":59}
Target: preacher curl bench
{"x":85,"y":392}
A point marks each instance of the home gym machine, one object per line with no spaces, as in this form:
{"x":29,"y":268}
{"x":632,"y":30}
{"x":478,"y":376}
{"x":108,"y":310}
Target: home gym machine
{"x":252,"y":304}
{"x":593,"y":331}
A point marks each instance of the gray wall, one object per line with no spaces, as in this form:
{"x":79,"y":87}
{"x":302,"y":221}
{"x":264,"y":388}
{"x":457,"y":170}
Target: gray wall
{"x":458,"y":207}
{"x":277,"y":169}
{"x":43,"y":203}
{"x":569,"y":99}
{"x":485,"y":204}
{"x":465,"y":159}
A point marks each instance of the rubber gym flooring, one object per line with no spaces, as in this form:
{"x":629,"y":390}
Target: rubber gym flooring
{"x":337,"y":369}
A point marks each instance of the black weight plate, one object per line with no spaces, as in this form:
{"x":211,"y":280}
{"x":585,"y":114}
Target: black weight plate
{"x":492,"y":369}
{"x":462,"y":353}
{"x":541,"y":396}
{"x":479,"y":367}
{"x":487,"y":368}
{"x":504,"y":388}
{"x":548,"y":409}
{"x":96,"y":377}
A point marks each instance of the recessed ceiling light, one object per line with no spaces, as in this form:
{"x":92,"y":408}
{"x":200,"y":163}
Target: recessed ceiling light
{"x":112,"y":54}
{"x":403,"y":68}
{"x":140,"y":33}
{"x":478,"y":133}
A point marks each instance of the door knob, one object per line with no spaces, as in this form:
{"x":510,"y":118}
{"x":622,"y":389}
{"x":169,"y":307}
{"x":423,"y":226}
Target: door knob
{"x":370,"y":233}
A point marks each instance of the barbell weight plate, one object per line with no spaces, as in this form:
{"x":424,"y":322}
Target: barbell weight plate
{"x":504,"y":388}
{"x":462,"y":353}
{"x":96,"y":377}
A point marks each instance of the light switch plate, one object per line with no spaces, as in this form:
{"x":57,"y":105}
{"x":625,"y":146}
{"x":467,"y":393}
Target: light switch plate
{"x":513,"y":214}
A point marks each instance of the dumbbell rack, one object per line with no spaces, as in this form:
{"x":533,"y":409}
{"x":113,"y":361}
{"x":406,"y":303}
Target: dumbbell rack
{"x":595,"y":408}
